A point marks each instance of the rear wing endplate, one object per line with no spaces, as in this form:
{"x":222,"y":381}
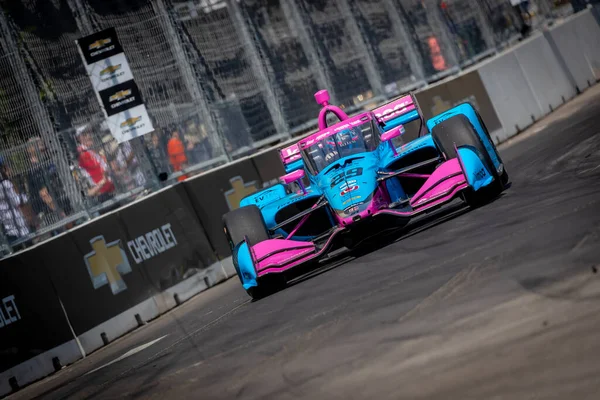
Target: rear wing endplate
{"x":291,"y":158}
{"x":400,"y":111}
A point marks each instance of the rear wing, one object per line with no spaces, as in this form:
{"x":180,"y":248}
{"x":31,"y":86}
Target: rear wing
{"x":291,"y":158}
{"x":400,"y":111}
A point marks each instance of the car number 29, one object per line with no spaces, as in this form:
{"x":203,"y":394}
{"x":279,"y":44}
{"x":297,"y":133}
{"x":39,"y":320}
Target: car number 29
{"x":351,"y":173}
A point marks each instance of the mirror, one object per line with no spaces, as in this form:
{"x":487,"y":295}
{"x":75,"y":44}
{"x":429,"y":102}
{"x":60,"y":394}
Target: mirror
{"x":292,"y":176}
{"x":295,"y":176}
{"x":392,"y":133}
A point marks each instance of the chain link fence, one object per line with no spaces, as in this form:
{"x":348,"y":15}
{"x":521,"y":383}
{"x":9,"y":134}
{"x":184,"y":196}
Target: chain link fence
{"x":220,"y":79}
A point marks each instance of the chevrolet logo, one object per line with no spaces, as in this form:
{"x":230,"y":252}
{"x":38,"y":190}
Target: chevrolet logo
{"x":238,"y":191}
{"x":110,"y":70}
{"x":130,"y":122}
{"x":106,"y":264}
{"x":119,"y":95}
{"x":99,"y":43}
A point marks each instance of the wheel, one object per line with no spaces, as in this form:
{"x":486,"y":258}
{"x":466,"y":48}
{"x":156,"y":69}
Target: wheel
{"x":245,"y":221}
{"x":267,"y":285}
{"x":248,"y":222}
{"x":459,"y":131}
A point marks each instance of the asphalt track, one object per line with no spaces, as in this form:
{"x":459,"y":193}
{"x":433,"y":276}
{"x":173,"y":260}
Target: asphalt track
{"x":500,"y":302}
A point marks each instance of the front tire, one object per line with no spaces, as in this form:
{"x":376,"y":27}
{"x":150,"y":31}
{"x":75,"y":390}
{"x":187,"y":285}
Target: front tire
{"x":458,"y":131}
{"x":245,"y":222}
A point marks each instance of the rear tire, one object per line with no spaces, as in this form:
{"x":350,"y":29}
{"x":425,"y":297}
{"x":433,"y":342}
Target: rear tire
{"x":459,"y":130}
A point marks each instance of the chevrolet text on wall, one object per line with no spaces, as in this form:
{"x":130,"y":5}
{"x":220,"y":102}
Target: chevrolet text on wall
{"x":113,"y":83}
{"x":9,"y":313}
{"x":107,"y":263}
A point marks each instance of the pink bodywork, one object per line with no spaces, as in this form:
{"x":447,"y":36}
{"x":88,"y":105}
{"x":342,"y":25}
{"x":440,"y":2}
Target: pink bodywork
{"x":444,"y":179}
{"x":292,"y":177}
{"x":278,"y":255}
{"x":340,"y":126}
{"x":290,"y":154}
{"x":395,"y":108}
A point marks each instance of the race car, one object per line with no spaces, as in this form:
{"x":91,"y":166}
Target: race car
{"x":348,"y":176}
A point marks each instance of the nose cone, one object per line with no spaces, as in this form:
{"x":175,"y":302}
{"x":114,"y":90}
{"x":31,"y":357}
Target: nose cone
{"x":350,"y":189}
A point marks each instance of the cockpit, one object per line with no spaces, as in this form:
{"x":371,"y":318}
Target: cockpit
{"x":341,"y":143}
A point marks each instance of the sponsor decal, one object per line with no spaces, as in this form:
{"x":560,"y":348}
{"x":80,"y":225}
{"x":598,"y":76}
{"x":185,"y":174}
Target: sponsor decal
{"x":106,"y":264}
{"x":114,"y":85}
{"x":9,"y":312}
{"x":354,"y":198}
{"x":130,"y":122}
{"x":480,"y":174}
{"x":395,"y":109}
{"x":349,"y":189}
{"x":153,"y":243}
{"x":98,"y":44}
{"x":290,"y":154}
{"x":121,"y":97}
{"x":110,"y":70}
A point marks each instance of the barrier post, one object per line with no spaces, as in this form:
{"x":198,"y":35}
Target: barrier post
{"x":373,"y":74}
{"x":185,"y":66}
{"x":294,"y":19}
{"x":399,"y":26}
{"x":259,"y":69}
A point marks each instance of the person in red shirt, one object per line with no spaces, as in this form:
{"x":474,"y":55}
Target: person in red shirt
{"x":95,"y":167}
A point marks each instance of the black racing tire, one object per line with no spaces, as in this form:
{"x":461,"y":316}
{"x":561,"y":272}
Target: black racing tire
{"x":245,"y":222}
{"x":267,"y":285}
{"x":458,"y":130}
{"x":248,"y":222}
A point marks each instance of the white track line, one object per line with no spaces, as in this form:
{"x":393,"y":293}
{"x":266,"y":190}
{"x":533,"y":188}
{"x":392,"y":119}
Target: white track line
{"x":129,"y":353}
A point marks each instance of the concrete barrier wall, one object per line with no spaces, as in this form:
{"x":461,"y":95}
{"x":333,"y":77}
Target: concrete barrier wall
{"x":511,"y":94}
{"x":577,"y":43}
{"x":545,"y":77}
{"x":58,"y":302}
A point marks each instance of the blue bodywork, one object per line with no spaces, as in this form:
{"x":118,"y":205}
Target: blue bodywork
{"x":346,"y":190}
{"x":245,"y":266}
{"x":467,"y":110}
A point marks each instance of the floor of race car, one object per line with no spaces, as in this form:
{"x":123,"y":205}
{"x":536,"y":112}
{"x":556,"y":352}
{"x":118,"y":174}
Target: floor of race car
{"x":499,"y":302}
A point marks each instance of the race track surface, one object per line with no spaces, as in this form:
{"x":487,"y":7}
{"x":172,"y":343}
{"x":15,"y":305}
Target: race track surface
{"x":500,"y":302}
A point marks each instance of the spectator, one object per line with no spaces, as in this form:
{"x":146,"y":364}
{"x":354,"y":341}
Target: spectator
{"x":124,"y":163}
{"x":198,"y":145}
{"x":13,"y":223}
{"x":94,"y":168}
{"x":159,"y":155}
{"x":522,"y":7}
{"x":47,"y":195}
{"x":176,"y":152}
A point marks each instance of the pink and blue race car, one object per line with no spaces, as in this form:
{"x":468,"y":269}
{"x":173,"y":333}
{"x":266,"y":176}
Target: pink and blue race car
{"x":348,"y":177}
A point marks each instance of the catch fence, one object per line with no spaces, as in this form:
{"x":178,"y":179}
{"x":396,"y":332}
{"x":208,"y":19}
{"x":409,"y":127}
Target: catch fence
{"x":220,"y":79}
